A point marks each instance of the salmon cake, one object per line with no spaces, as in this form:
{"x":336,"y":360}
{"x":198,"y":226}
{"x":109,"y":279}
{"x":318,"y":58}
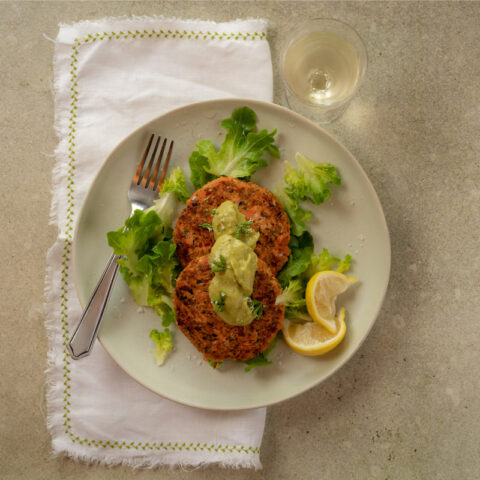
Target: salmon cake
{"x":212,"y":336}
{"x":194,"y":239}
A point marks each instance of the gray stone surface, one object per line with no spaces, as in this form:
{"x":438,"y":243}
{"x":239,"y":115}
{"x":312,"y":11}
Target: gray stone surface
{"x":407,"y":405}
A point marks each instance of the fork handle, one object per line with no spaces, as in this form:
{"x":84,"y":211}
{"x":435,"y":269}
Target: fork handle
{"x":85,"y":333}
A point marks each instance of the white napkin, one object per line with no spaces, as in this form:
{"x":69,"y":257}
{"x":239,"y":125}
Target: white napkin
{"x":111,"y":76}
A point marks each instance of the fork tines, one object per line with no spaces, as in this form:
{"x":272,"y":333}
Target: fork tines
{"x":148,"y":177}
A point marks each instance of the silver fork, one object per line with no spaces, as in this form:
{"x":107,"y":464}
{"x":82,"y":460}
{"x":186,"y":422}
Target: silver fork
{"x":142,"y":192}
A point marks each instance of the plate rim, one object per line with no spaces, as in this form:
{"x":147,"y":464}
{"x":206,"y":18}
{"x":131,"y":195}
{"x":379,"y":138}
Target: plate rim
{"x":236,"y":102}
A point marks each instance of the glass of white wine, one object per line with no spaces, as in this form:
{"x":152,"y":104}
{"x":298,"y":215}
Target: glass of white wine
{"x":323,"y":64}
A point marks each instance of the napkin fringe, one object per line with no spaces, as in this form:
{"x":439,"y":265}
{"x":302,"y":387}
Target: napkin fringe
{"x":60,"y":126}
{"x":53,"y":326}
{"x":155,"y":18}
{"x":53,"y":372}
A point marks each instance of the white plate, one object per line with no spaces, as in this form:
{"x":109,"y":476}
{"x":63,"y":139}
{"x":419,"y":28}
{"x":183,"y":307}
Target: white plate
{"x":351,"y":221}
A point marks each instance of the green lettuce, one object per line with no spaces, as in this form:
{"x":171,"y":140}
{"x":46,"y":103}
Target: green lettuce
{"x":293,"y":297}
{"x":174,"y":191}
{"x":198,"y":173}
{"x":163,"y":344}
{"x":147,"y":261}
{"x":301,"y":251}
{"x":147,"y":253}
{"x":296,"y":214}
{"x":241,"y":154}
{"x":326,"y":261}
{"x":292,"y":294}
{"x":310,"y":180}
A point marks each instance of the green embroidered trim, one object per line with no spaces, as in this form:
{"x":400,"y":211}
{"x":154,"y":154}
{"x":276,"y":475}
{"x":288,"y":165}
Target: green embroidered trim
{"x":161,"y":446}
{"x":191,"y":34}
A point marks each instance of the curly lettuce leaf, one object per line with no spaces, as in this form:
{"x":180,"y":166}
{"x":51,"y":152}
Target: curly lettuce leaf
{"x":345,"y":264}
{"x":147,"y":261}
{"x":323,"y":261}
{"x":173,"y":193}
{"x":198,"y":175}
{"x":326,"y":261}
{"x":176,"y":184}
{"x":150,"y":275}
{"x":301,"y":251}
{"x":310,"y":180}
{"x":163,"y":344}
{"x":292,"y":295}
{"x":296,"y":214}
{"x":241,"y":154}
{"x":138,"y":235}
{"x":160,"y":271}
{"x":293,"y":298}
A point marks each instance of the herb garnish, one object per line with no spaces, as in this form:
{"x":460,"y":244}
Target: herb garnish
{"x":243,"y":229}
{"x":206,"y":226}
{"x":219,"y":265}
{"x":219,"y":304}
{"x":256,"y":307}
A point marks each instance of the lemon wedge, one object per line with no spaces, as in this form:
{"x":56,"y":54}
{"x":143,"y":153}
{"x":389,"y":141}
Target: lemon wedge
{"x":322,"y":291}
{"x":311,"y":339}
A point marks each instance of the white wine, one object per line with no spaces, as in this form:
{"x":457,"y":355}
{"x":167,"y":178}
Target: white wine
{"x":323,"y":68}
{"x":323,"y":64}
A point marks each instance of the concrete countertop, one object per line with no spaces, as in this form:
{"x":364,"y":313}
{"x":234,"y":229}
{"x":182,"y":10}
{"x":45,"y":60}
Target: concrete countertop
{"x":407,"y":405}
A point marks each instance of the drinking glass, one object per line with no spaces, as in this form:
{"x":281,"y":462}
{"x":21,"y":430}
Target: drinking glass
{"x":323,"y":64}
